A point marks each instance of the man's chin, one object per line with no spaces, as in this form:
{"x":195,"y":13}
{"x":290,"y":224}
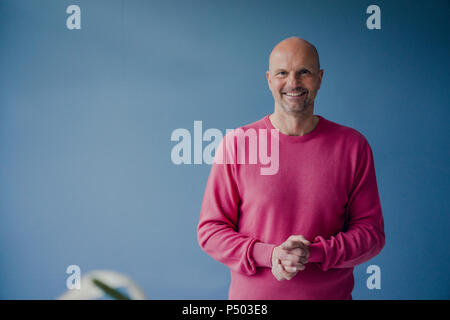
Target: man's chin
{"x":295,"y":109}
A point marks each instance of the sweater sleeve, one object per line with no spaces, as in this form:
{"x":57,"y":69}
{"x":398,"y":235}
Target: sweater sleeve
{"x":217,"y":231}
{"x":363,"y":236}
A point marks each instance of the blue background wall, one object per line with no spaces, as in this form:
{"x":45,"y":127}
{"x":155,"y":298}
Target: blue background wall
{"x":86,"y":116}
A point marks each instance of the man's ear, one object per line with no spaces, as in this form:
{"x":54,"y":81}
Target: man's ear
{"x":320,"y":77}
{"x":268,"y":79}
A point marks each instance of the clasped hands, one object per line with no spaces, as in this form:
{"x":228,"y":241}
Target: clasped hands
{"x":290,"y":257}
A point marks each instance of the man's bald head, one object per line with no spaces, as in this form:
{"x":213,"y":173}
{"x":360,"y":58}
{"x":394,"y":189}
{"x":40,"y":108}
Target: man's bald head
{"x":294,"y":75}
{"x":295,"y":45}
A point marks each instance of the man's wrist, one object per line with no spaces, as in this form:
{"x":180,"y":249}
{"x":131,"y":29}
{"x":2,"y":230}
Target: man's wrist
{"x":262,"y":254}
{"x":316,"y":252}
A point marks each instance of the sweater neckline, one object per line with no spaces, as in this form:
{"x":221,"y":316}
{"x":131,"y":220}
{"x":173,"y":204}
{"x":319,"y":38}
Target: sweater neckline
{"x":295,"y":139}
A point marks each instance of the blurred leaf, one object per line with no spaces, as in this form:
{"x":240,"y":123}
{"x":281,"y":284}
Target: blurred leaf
{"x":110,"y":291}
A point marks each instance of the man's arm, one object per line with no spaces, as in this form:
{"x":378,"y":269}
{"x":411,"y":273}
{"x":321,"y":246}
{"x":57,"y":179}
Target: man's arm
{"x":217,"y":229}
{"x":363,"y":237}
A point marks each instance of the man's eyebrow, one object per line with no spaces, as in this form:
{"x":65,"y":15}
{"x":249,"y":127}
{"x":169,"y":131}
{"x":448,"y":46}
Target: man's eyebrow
{"x":299,"y":70}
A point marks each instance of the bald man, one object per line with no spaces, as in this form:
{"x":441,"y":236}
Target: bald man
{"x":299,"y":233}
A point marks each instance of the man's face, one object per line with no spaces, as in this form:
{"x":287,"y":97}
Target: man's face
{"x":294,"y":78}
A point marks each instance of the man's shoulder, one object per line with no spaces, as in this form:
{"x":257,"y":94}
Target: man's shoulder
{"x":345,"y":132}
{"x":256,"y":125}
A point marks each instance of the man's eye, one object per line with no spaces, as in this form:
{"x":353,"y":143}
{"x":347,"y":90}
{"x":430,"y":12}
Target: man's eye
{"x":304,"y":71}
{"x":282,"y":73}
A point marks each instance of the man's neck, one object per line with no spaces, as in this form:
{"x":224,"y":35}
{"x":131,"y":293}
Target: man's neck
{"x":294,"y":125}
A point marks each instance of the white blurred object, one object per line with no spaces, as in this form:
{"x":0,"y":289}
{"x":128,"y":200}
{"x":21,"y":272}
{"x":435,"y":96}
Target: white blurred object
{"x":89,"y":291}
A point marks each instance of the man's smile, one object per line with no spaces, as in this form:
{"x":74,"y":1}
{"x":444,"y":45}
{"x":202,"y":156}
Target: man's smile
{"x":294,"y":94}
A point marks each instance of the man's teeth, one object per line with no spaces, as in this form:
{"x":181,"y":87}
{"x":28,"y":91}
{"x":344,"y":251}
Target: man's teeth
{"x":293,"y":94}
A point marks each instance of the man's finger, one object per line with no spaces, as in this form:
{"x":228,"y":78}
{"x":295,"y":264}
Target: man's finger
{"x":293,"y":250}
{"x":290,"y":263}
{"x":291,"y":257}
{"x":298,"y":238}
{"x":279,"y":269}
{"x":282,"y":271}
{"x":294,"y":243}
{"x":295,"y":269}
{"x":300,"y":252}
{"x":286,"y":275}
{"x":291,"y":269}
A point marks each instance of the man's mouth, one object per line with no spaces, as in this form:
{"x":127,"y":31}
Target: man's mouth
{"x":294,"y":93}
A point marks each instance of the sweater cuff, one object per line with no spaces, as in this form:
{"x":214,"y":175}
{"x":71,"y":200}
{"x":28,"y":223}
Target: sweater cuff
{"x":316,"y":253}
{"x":262,"y":254}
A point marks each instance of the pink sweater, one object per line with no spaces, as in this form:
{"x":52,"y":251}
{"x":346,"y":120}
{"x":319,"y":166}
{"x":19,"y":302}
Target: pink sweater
{"x":325,"y":189}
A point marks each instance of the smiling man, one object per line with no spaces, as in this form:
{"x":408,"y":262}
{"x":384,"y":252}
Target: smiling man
{"x":299,"y":233}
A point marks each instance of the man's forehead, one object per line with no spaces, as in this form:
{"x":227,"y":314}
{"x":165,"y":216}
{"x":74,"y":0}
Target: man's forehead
{"x":291,"y":58}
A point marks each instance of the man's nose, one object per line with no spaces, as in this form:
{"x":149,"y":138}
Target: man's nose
{"x":293,"y":81}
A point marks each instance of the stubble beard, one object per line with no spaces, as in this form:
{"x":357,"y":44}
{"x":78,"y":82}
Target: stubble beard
{"x":302,"y":109}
